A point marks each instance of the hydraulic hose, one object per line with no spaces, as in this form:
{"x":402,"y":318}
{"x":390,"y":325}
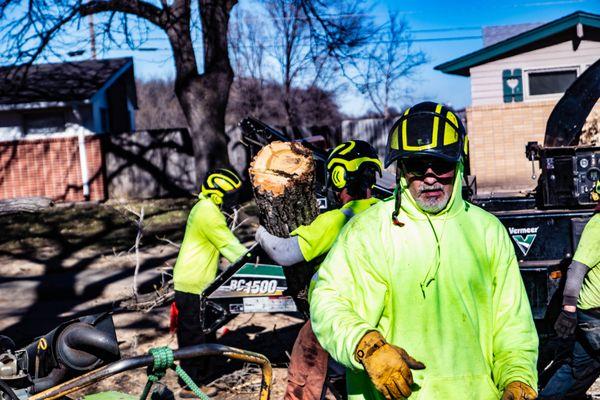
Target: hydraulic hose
{"x":50,"y":380}
{"x":4,"y":388}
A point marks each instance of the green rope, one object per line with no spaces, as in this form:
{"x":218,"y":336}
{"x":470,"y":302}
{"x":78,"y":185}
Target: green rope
{"x":163,"y":360}
{"x":190,"y":383}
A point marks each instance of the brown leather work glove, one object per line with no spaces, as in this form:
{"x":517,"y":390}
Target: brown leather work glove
{"x":388,"y":366}
{"x":519,"y":391}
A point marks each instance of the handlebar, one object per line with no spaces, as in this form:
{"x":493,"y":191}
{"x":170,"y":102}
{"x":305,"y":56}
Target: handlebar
{"x":201,"y":350}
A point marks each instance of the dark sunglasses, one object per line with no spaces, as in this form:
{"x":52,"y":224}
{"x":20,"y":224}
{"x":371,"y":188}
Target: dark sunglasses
{"x":419,"y":166}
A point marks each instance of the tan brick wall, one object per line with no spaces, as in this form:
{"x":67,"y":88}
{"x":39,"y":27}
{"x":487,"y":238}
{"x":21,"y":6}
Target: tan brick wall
{"x":498,"y":135}
{"x":50,"y":168}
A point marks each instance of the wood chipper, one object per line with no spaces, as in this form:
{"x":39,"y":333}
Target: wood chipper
{"x":84,"y":351}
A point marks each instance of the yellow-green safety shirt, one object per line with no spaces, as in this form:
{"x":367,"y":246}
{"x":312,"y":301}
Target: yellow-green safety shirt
{"x":445,"y":287}
{"x":206,"y":236}
{"x":588,"y":253}
{"x":316,"y":238}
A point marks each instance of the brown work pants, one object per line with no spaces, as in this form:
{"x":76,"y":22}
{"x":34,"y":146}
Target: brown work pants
{"x":308,"y":367}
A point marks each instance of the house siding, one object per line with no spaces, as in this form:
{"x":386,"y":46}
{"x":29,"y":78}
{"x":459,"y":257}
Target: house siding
{"x":50,"y":168}
{"x":498,"y":135}
{"x":486,"y":79}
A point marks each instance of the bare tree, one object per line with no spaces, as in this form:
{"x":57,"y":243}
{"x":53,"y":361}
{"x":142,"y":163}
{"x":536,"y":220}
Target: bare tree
{"x":31,"y":28}
{"x":303,"y":55}
{"x":295,"y":37}
{"x":313,"y":105}
{"x":390,"y":61}
{"x":290,"y":27}
{"x":158,"y":107}
{"x":248,"y":44}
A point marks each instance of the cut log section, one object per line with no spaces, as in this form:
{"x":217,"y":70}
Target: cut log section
{"x":24,"y":204}
{"x":283,"y":181}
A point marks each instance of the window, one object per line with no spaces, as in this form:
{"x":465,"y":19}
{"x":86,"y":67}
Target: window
{"x":44,"y":123}
{"x":550,"y":82}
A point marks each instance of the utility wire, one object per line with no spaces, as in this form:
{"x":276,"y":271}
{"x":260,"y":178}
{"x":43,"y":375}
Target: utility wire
{"x":249,"y":46}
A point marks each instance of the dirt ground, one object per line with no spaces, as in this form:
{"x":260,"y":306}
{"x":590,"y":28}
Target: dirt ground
{"x":75,"y":260}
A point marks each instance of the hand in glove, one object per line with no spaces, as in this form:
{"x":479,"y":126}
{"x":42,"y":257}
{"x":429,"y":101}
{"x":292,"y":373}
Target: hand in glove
{"x":388,"y":366}
{"x":519,"y":391}
{"x":565,"y":324}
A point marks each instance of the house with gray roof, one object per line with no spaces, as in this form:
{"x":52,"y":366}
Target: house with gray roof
{"x":54,"y":99}
{"x":52,"y":120}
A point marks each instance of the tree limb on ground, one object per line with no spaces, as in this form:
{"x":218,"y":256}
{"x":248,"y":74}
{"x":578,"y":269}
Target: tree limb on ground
{"x":24,"y":204}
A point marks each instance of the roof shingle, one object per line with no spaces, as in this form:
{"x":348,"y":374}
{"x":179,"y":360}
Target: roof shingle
{"x":495,"y":34}
{"x":69,"y":81}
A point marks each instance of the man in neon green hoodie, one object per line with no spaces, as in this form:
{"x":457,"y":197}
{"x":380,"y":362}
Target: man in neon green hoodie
{"x":352,"y":169}
{"x":429,"y":276}
{"x":206,"y":237}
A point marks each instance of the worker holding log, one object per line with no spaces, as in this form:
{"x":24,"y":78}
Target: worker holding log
{"x":352,"y":167}
{"x":207,"y":236}
{"x":421,"y":294}
{"x":580,"y":313}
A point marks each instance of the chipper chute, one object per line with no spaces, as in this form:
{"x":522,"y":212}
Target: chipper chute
{"x":84,"y":351}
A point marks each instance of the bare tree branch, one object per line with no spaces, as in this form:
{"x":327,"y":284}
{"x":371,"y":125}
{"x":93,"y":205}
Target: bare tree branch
{"x":138,"y":237}
{"x":382,"y":75}
{"x":140,"y":8}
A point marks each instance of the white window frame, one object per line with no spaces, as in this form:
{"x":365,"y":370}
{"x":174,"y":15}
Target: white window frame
{"x":542,"y":97}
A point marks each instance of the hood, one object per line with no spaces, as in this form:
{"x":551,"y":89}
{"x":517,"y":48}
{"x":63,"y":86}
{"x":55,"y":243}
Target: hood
{"x":410,"y":208}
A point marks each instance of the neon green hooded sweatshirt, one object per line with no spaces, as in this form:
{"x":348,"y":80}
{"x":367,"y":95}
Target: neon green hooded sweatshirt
{"x":206,"y":236}
{"x":445,"y":287}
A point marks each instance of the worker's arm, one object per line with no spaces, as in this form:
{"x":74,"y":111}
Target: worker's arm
{"x":567,"y":319}
{"x":586,"y":257}
{"x":515,"y":340}
{"x":284,"y":251}
{"x":588,"y":249}
{"x":214,"y":226}
{"x":316,"y":238}
{"x":575,"y":275}
{"x":349,"y":294}
{"x":307,"y":242}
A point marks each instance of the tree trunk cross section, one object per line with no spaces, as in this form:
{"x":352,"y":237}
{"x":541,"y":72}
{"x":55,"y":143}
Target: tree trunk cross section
{"x":283,"y":180}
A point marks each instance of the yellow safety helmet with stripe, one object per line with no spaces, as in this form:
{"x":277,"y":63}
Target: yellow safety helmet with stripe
{"x":220,"y":183}
{"x":427,"y":129}
{"x":353,"y":165}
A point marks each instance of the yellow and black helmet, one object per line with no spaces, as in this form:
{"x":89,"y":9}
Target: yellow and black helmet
{"x":353,"y":164}
{"x":427,"y":129}
{"x":220,"y":183}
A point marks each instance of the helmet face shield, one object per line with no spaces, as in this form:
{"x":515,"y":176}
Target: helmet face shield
{"x":427,"y":129}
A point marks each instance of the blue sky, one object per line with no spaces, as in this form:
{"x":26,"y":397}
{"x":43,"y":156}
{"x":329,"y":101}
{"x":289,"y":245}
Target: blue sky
{"x":468,"y":17}
{"x":432,"y":22}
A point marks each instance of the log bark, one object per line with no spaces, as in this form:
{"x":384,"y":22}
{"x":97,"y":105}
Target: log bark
{"x":283,"y":181}
{"x":24,"y":204}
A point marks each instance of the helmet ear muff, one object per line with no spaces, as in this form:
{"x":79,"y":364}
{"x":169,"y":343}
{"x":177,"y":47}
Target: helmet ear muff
{"x":217,"y":198}
{"x":338,"y":177}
